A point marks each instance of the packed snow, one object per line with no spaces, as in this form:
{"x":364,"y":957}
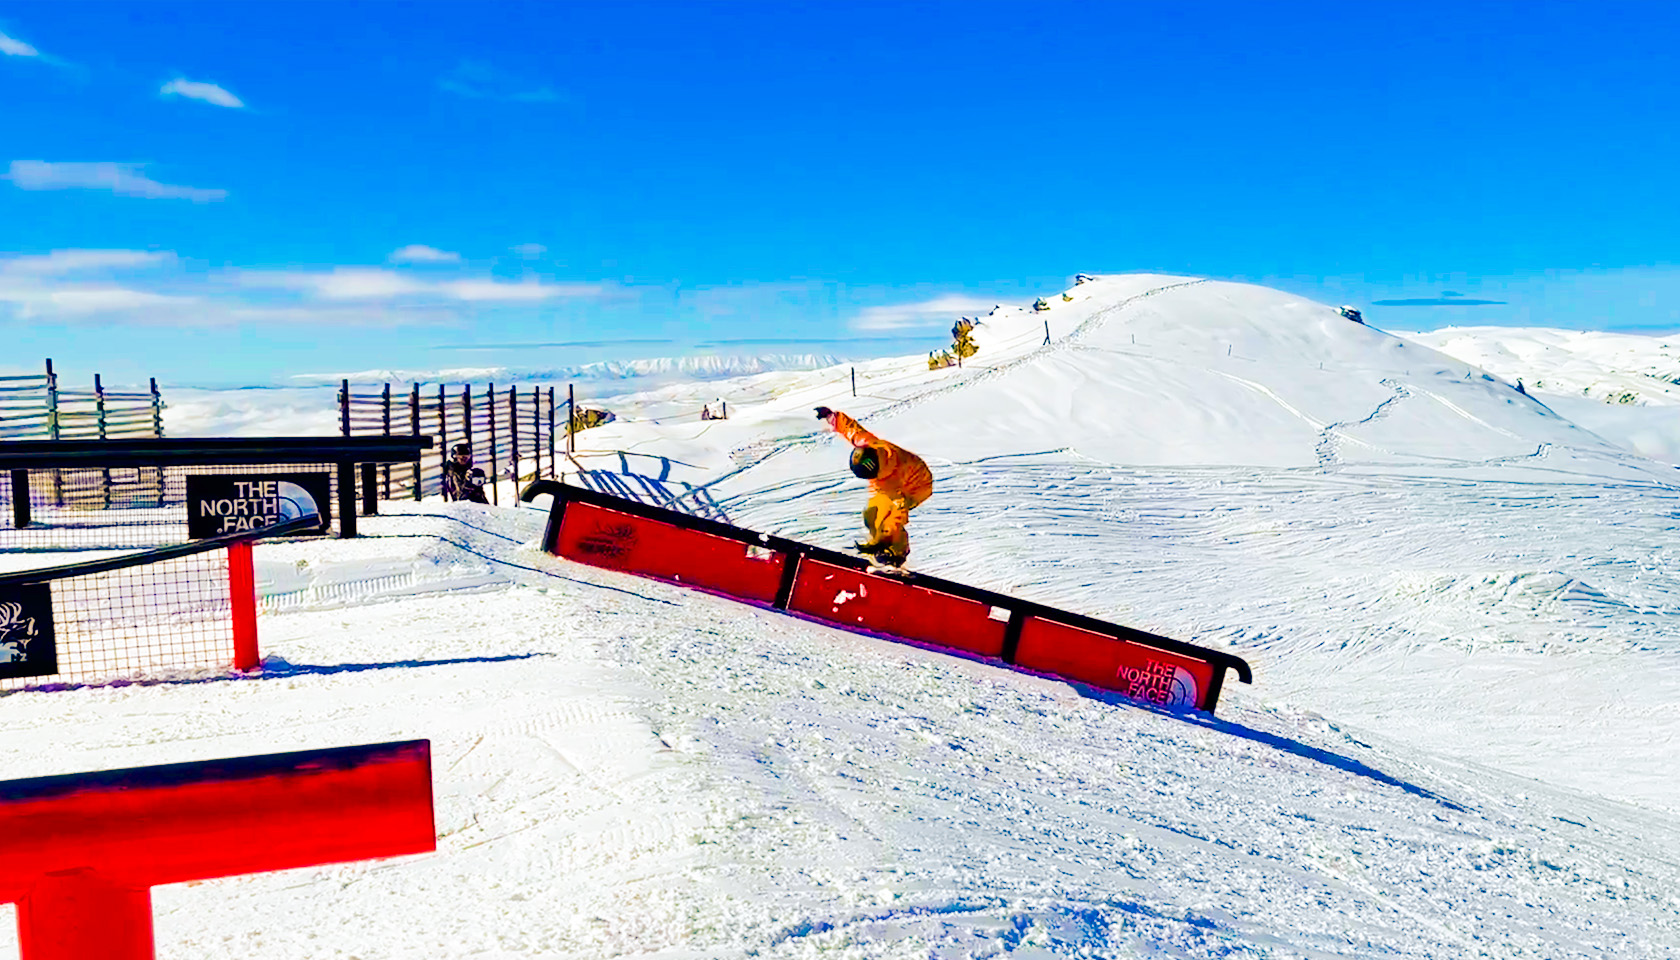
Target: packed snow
{"x":1460,"y":604}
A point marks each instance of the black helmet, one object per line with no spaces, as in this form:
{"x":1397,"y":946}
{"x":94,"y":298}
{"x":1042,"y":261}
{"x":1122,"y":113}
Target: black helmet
{"x":866,"y":462}
{"x":462,"y":448}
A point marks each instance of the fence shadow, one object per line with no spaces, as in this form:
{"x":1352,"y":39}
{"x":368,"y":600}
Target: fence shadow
{"x":650,"y":483}
{"x":274,"y":668}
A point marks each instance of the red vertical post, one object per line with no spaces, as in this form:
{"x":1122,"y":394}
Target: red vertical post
{"x":54,"y":919}
{"x":242,"y":594}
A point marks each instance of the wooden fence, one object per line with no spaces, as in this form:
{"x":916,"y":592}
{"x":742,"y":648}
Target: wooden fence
{"x":35,"y":407}
{"x":512,"y":431}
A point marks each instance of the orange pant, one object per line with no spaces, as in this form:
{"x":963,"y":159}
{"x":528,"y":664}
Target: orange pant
{"x":886,"y":519}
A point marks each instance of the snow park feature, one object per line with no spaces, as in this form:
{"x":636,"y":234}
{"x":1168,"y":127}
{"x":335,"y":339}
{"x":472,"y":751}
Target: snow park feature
{"x":835,"y":588}
{"x":1463,"y":625}
{"x":82,"y":851}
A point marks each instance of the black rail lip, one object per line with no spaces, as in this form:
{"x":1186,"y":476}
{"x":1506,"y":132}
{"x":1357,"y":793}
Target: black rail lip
{"x":208,"y":451}
{"x":1026,"y":608}
{"x":171,"y":552}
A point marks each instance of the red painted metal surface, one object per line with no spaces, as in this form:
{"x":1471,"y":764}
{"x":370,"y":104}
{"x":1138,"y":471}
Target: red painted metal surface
{"x":1145,"y":673}
{"x":242,"y":595}
{"x":622,"y":541}
{"x":79,"y":854}
{"x":882,"y":604}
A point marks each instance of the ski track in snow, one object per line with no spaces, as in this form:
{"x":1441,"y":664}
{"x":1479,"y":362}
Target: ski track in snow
{"x":1460,"y":742}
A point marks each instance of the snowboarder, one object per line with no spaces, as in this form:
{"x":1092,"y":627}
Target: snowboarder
{"x":462,"y":480}
{"x":899,"y":482}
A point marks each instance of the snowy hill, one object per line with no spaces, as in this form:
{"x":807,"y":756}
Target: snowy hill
{"x":1462,"y":610}
{"x":1621,"y":386}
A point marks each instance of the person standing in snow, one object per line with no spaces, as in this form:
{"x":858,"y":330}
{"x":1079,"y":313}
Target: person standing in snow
{"x":461,"y":480}
{"x":899,"y":482}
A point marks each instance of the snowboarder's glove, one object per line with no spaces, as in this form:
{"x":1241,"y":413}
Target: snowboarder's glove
{"x":823,"y":413}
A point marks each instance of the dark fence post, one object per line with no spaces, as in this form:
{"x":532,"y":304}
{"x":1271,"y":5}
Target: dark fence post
{"x":99,"y":407}
{"x":513,"y":433}
{"x":551,"y":430}
{"x":571,"y":418}
{"x":536,"y":432}
{"x":443,"y":440}
{"x":157,"y":431}
{"x":344,"y":407}
{"x":157,"y":411}
{"x":854,"y":381}
{"x":52,"y":430}
{"x":490,"y":408}
{"x":466,"y":414}
{"x":385,"y":469}
{"x":414,"y":429}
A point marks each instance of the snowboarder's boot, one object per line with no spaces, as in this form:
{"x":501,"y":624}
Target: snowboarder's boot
{"x":869,"y":546}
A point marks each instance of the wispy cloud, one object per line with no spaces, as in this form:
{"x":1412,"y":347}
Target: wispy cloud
{"x":33,"y":300}
{"x":1447,"y":301}
{"x":12,"y":47}
{"x":543,"y":344}
{"x":125,"y":179}
{"x":197,"y":90}
{"x":370,"y":283}
{"x":477,"y":80}
{"x":420,"y":253}
{"x":59,"y":262}
{"x":529,"y":251}
{"x":927,"y":313}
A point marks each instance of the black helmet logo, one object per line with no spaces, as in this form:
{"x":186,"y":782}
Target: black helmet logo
{"x":866,"y":462}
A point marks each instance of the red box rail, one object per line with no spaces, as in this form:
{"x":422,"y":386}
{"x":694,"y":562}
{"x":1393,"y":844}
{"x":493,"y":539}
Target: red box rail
{"x":860,"y":600}
{"x":836,"y":588}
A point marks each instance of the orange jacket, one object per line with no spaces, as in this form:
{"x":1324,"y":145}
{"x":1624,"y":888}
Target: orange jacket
{"x":903,"y":474}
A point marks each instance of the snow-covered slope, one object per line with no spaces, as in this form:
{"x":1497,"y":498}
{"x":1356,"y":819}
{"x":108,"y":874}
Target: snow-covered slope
{"x":1620,"y":386}
{"x":1462,"y":611}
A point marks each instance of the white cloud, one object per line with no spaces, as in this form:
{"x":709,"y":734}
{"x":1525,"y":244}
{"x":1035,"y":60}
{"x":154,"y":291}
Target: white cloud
{"x":69,"y":261}
{"x":928,"y":313}
{"x":16,"y":48}
{"x":196,"y":90}
{"x":420,"y":253}
{"x":120,"y":178}
{"x":35,"y":300}
{"x":480,"y":290}
{"x":372,"y":283}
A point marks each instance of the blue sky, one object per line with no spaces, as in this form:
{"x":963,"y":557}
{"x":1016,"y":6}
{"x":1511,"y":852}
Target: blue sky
{"x":241,"y":192}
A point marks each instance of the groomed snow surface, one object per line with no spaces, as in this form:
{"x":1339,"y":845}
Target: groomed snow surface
{"x":1461,"y":608}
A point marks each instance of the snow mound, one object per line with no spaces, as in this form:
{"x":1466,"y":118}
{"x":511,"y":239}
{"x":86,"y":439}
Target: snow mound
{"x":1161,"y":371}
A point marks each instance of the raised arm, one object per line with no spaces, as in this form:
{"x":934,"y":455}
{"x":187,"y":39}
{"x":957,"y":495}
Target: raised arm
{"x":846,"y":427}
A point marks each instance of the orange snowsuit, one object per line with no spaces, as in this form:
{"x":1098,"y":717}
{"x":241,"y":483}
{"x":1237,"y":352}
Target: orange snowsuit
{"x":903,"y":483}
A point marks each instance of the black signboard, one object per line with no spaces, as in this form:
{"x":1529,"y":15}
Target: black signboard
{"x":27,"y":646}
{"x":232,"y":503}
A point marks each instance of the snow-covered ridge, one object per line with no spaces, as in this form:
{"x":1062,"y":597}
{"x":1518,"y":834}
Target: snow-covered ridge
{"x":1610,"y":367}
{"x":698,"y":367}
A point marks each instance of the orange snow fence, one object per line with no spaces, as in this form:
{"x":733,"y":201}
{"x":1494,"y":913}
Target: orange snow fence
{"x":836,"y":588}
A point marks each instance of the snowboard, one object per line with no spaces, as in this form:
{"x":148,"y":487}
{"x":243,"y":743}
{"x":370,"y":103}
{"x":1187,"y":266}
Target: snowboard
{"x":889,"y":570}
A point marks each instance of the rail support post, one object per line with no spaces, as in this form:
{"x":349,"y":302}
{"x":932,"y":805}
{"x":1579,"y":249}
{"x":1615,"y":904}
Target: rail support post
{"x":20,"y":498}
{"x":346,"y":500}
